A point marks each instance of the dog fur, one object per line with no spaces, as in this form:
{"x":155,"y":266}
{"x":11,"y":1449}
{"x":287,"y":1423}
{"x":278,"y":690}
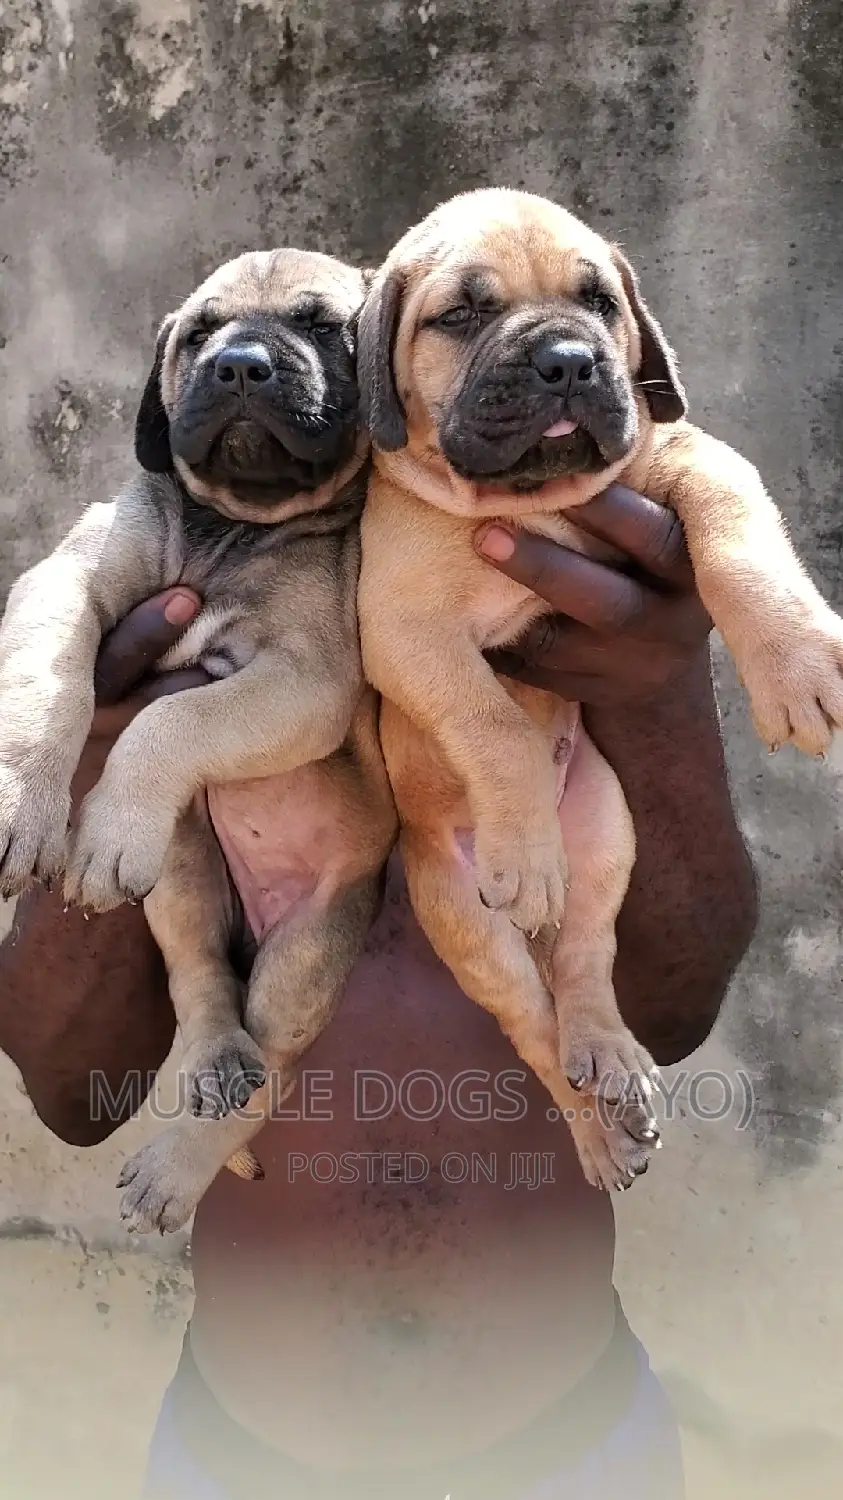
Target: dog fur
{"x":517,"y":886}
{"x":251,"y":484}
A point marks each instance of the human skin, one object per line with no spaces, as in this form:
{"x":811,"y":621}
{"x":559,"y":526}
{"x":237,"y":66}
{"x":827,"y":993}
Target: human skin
{"x":363,"y":1321}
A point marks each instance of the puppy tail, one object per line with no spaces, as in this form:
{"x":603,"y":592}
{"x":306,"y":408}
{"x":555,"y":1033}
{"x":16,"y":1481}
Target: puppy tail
{"x":245,"y":1164}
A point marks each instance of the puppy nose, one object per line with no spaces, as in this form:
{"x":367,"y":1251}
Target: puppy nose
{"x":565,"y":367}
{"x":244,"y":368}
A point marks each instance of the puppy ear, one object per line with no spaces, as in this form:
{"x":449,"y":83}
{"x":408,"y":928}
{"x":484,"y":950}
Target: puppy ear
{"x":379,"y":399}
{"x":152,"y":425}
{"x":658,"y":373}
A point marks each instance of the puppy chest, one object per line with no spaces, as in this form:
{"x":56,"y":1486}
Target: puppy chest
{"x":501,"y":612}
{"x":222,"y":640}
{"x":231,"y":569}
{"x":503,"y":609}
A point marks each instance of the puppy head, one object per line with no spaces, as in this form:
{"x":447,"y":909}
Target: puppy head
{"x":253,"y":396}
{"x":507,"y":347}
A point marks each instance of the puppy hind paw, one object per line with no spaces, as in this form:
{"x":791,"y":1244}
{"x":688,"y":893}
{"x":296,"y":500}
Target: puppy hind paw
{"x":611,"y":1066}
{"x":613,"y":1155}
{"x":221,"y":1075}
{"x":158,"y":1195}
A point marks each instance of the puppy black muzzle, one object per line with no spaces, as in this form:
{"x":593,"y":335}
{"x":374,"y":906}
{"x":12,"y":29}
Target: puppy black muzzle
{"x":266,"y":412}
{"x":539,"y":404}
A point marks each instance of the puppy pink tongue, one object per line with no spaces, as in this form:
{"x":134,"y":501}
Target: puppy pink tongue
{"x":561,"y":428}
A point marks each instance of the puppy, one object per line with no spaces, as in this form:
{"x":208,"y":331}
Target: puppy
{"x":510,"y":368}
{"x":251,"y":484}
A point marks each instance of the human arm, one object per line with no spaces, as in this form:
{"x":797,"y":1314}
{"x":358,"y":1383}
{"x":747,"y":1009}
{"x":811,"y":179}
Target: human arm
{"x":80,"y":996}
{"x":632,"y":647}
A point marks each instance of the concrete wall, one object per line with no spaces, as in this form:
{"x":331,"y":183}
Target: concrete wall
{"x":144,"y":140}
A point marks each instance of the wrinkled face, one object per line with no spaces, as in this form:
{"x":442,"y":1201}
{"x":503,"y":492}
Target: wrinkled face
{"x":253,"y":399}
{"x":512,"y":340}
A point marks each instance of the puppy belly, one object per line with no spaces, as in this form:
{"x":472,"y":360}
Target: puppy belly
{"x":281,"y":839}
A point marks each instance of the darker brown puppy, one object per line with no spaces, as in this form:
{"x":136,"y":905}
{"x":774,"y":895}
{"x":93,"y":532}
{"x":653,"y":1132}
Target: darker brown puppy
{"x":249,"y":490}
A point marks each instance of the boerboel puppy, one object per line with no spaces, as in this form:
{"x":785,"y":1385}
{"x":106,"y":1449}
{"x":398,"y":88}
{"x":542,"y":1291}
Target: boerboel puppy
{"x":510,"y":368}
{"x":250,"y":488}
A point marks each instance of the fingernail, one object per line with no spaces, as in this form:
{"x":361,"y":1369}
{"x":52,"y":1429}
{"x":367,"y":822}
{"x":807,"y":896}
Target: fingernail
{"x":496,"y":544}
{"x":180,"y":608}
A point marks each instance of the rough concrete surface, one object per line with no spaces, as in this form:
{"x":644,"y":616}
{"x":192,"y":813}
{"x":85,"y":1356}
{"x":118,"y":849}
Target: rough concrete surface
{"x":144,"y":140}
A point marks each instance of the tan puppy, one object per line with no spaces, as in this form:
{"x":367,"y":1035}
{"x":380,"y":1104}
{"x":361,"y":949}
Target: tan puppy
{"x":510,"y":368}
{"x":251,"y":484}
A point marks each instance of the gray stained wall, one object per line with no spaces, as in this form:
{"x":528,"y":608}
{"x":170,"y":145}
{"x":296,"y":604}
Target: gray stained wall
{"x":144,"y":141}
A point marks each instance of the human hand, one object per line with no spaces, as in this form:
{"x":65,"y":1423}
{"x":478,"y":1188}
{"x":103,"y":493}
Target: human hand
{"x":124,"y":681}
{"x":621,"y":633}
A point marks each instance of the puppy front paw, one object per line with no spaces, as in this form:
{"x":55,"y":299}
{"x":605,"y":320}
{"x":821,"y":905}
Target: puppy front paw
{"x":119,"y":848}
{"x":523,"y":875}
{"x":794,"y":677}
{"x":34,"y":815}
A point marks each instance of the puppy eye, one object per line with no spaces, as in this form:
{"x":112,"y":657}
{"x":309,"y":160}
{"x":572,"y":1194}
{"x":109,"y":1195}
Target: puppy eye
{"x":600,"y":302}
{"x":312,"y":326}
{"x":197,"y":338}
{"x":456,"y":317}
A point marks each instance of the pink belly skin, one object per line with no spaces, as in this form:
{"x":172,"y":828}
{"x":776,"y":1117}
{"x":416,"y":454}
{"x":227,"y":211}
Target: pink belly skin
{"x":281,"y":841}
